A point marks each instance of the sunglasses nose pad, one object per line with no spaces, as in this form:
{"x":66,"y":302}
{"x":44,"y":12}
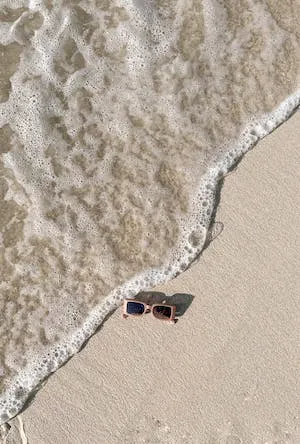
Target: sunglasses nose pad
{"x":148,"y":310}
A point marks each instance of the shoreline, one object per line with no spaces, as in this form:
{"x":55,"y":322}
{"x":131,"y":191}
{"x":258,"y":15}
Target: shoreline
{"x":230,"y":361}
{"x":252,"y":134}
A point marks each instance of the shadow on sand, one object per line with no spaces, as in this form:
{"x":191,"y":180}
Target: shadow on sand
{"x":182,"y":301}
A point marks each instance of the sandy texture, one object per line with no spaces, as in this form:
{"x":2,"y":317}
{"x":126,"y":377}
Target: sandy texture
{"x":117,"y":117}
{"x":228,"y":371}
{"x":112,"y":113}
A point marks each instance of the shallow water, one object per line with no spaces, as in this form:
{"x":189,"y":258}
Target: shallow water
{"x":117,"y":119}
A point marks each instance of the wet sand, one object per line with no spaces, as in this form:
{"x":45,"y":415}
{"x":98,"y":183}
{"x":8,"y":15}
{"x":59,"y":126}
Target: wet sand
{"x":228,"y":371}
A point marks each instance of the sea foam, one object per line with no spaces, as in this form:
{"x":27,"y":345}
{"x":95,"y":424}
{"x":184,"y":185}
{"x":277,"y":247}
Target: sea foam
{"x":117,"y":121}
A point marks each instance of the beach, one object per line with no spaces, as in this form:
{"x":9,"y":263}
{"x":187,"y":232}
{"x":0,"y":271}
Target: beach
{"x":118,"y":122}
{"x":228,"y":371}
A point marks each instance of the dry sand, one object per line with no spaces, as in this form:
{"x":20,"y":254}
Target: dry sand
{"x":228,"y":371}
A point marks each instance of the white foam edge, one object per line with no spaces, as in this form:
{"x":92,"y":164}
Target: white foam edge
{"x":30,"y":378}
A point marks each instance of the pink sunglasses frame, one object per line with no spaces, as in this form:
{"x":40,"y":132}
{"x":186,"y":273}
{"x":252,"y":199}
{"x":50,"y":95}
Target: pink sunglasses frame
{"x":149,"y":307}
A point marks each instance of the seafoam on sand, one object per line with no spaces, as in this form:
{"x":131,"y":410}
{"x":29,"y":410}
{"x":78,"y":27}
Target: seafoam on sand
{"x":117,"y":120}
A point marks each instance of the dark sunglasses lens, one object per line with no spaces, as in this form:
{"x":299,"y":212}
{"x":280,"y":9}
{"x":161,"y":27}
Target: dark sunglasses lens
{"x":162,"y":312}
{"x":135,"y":308}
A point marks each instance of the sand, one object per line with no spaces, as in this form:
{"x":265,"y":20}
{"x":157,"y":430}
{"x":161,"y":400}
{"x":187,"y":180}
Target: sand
{"x":228,"y":371}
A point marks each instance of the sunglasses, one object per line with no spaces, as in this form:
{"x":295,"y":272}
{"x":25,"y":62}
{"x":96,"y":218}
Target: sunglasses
{"x":132,"y":307}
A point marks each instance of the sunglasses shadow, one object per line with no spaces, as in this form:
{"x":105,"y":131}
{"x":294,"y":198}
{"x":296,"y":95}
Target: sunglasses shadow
{"x":182,"y":301}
